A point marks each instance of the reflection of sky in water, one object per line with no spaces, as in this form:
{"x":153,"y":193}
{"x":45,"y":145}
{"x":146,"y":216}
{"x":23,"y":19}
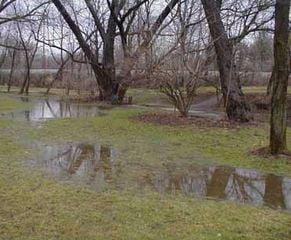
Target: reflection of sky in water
{"x":92,"y":164}
{"x":287,"y":192}
{"x":52,"y":109}
{"x":55,"y":109}
{"x":245,"y":186}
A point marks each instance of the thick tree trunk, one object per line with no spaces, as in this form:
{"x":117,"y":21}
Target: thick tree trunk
{"x":25,"y":84}
{"x":237,"y":108}
{"x":280,"y":81}
{"x":108,"y":48}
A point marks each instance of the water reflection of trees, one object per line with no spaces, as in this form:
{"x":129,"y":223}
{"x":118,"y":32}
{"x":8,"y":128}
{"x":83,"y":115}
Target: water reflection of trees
{"x":48,"y":109}
{"x":83,"y":160}
{"x":95,"y":163}
{"x":240,"y":185}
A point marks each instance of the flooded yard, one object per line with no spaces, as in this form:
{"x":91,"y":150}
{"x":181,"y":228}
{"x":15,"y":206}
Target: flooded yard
{"x":98,"y":166}
{"x":82,"y":155}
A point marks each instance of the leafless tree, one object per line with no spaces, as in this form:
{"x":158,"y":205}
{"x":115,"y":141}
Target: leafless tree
{"x":27,"y":32}
{"x":119,"y":18}
{"x":278,"y":142}
{"x":190,"y":60}
{"x":236,"y":106}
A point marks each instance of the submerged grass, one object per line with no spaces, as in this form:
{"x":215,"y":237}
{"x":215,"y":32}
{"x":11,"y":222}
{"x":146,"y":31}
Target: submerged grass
{"x":35,"y":207}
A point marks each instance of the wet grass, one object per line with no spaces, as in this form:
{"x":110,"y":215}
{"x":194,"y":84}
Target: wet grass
{"x":8,"y":104}
{"x":147,"y":96}
{"x":259,"y":89}
{"x":36,"y":207}
{"x":152,"y":145}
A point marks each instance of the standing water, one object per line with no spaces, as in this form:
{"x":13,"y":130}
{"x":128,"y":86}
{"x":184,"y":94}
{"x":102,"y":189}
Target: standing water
{"x":98,"y":167}
{"x":44,"y":109}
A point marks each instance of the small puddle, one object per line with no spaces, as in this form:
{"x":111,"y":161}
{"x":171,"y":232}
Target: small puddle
{"x":97,"y":167}
{"x":43,"y":109}
{"x":87,"y":163}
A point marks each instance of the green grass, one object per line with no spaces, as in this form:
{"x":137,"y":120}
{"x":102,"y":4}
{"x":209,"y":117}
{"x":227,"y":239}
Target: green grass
{"x":147,"y":96}
{"x":155,"y":145}
{"x":259,"y":89}
{"x":37,"y":207}
{"x":8,"y":104}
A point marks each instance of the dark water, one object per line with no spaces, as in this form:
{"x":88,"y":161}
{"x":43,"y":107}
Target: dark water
{"x":43,"y":109}
{"x":97,"y":166}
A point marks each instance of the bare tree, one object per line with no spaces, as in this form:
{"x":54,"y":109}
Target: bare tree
{"x":236,"y":107}
{"x":189,"y":60}
{"x":104,"y":77}
{"x":30,"y":48}
{"x":278,"y":143}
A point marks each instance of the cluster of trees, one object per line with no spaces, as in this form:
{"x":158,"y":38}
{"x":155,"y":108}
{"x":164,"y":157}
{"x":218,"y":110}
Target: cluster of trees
{"x":175,"y":41}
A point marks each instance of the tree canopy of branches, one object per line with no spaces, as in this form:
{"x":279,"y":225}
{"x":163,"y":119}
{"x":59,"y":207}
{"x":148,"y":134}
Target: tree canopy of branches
{"x":104,"y":72}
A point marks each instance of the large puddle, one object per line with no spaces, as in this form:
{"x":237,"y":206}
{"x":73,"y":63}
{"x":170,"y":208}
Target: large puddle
{"x":44,"y":109}
{"x":100,"y":168}
{"x":97,"y":167}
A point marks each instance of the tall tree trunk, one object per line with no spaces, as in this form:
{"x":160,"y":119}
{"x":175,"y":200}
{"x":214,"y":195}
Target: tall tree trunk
{"x":27,"y":76}
{"x":108,"y":49}
{"x":11,"y":70}
{"x":108,"y":60}
{"x":237,"y":108}
{"x":28,"y":81}
{"x":280,"y":81}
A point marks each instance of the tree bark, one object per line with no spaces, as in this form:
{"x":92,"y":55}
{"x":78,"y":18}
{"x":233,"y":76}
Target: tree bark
{"x":278,"y":143}
{"x":237,"y":108}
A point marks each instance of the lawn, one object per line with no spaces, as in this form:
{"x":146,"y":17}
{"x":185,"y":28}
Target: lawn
{"x":36,"y":206}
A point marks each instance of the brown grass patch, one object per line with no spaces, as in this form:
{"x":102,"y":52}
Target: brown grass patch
{"x":266,"y":153}
{"x":174,"y":119}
